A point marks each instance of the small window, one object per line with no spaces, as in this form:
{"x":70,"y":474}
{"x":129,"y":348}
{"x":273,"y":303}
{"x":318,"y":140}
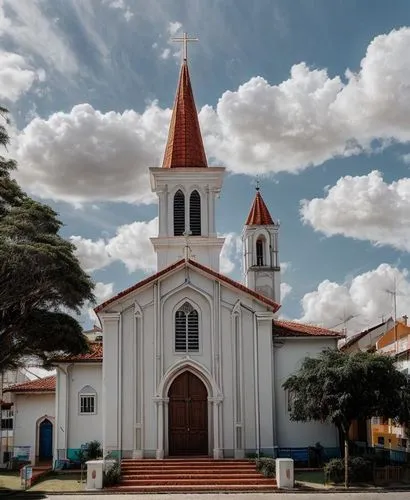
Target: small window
{"x":259,"y":252}
{"x":404,"y":443}
{"x":179,"y":213}
{"x":7,"y":420}
{"x":195,"y":213}
{"x":186,"y":329}
{"x":88,"y":401}
{"x":87,"y":404}
{"x":380,"y":440}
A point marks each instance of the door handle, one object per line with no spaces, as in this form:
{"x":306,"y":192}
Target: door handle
{"x":189,"y":429}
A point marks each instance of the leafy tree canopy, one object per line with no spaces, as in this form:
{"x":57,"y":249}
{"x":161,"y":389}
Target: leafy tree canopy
{"x":41,"y":280}
{"x":339,"y":387}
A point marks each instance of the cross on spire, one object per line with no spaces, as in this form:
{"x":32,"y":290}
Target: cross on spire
{"x":187,"y":249}
{"x":184,"y":40}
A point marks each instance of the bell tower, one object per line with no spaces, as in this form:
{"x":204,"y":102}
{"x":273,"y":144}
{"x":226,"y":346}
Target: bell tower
{"x":186,"y":187}
{"x":260,"y":246}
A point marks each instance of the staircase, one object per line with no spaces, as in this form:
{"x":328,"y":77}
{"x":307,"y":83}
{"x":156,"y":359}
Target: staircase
{"x":192,"y":475}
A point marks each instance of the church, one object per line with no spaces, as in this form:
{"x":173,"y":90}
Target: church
{"x":189,"y":362}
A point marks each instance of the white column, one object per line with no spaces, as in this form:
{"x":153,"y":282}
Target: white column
{"x":217,"y":451}
{"x":160,"y":429}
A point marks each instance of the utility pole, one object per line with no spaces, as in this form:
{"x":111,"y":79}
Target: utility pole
{"x":393,"y":293}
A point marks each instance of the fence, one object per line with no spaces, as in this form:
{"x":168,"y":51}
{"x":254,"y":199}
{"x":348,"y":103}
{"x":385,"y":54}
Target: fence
{"x":381,"y":456}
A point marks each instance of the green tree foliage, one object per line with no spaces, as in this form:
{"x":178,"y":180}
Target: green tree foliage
{"x":41,"y":280}
{"x":338,"y":387}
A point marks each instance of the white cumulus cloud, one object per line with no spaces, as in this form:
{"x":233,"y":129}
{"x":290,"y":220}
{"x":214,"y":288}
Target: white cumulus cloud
{"x":362,"y":302}
{"x":131,"y":245}
{"x":87,"y":156}
{"x":16,"y":76}
{"x":313,"y":117}
{"x":364,"y":207}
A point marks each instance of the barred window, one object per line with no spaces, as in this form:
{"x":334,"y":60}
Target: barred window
{"x":179,"y":213}
{"x":88,"y":401}
{"x":259,"y":252}
{"x":186,"y":329}
{"x":195,"y":213}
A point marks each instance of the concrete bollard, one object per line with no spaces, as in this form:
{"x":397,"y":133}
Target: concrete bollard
{"x":285,"y":477}
{"x":95,"y":474}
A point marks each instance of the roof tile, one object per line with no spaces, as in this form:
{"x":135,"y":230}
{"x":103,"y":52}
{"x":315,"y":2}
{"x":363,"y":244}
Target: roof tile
{"x":259,"y":214}
{"x":184,"y":146}
{"x":283,"y":328}
{"x":47,"y":384}
{"x":95,"y":354}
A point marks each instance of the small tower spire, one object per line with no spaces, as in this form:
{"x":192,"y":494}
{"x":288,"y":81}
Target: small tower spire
{"x":260,"y":246}
{"x":259,"y":214}
{"x":184,"y":146}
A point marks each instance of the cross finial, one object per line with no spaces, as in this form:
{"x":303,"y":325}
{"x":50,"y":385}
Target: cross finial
{"x":257,"y":183}
{"x":184,"y":40}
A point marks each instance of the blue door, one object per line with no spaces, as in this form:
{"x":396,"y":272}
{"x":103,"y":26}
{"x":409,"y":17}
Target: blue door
{"x":45,"y":451}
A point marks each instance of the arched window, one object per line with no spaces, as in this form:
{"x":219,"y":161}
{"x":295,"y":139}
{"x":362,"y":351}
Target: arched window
{"x":186,"y":329}
{"x":87,"y":401}
{"x":179,"y":213}
{"x":259,"y":252}
{"x":195,"y":213}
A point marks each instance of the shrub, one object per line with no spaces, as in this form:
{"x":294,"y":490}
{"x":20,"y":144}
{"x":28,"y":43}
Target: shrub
{"x":94,"y":450}
{"x":360,"y":470}
{"x":266,"y":466}
{"x":112,"y":476}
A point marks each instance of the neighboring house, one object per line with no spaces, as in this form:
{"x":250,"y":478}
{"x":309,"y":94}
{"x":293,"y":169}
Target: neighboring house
{"x":34,"y":417}
{"x":192,"y":362}
{"x":392,"y":338}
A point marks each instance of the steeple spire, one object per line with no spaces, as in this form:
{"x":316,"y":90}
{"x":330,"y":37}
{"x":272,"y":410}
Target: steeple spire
{"x":184,"y":147}
{"x":259,"y":214}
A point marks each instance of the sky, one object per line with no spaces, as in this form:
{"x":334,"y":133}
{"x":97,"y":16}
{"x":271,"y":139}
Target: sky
{"x":311,"y":96}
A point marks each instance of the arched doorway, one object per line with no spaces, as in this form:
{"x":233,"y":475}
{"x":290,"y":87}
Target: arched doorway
{"x":188,"y":416}
{"x":45,"y":444}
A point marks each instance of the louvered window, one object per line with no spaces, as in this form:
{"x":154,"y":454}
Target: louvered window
{"x":179,"y":213}
{"x":186,"y":329}
{"x":195,"y":213}
{"x":259,"y":252}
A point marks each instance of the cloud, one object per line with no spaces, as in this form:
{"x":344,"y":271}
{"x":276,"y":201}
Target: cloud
{"x":16,"y":76}
{"x":120,"y":5}
{"x":285,"y":290}
{"x":86,"y":156}
{"x":165,"y":53}
{"x":312,"y":117}
{"x":406,"y":158}
{"x":131,"y":245}
{"x":365,"y":208}
{"x":231,"y":253}
{"x":33,"y":32}
{"x":174,"y":27}
{"x":362,"y":302}
{"x":102,"y":292}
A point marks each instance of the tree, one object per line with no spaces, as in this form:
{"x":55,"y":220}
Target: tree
{"x":41,"y":280}
{"x":339,"y":387}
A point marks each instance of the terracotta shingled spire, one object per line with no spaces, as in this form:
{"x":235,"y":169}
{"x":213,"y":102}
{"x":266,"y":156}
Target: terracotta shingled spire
{"x":184,"y":147}
{"x":259,"y":214}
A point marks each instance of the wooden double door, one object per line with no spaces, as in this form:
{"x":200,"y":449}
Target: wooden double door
{"x":188,"y":416}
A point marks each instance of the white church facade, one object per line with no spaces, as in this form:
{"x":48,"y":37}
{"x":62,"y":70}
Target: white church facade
{"x":192,"y":362}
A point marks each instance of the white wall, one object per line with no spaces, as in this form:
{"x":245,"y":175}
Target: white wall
{"x":288,"y":360}
{"x":30,"y":409}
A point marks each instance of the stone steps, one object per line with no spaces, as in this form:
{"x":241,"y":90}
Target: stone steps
{"x":191,"y":475}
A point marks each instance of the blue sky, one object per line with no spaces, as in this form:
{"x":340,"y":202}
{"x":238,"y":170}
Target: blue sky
{"x":314,"y":96}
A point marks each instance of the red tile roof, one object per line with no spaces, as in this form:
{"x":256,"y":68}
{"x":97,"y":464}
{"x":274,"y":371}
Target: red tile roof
{"x":283,"y":328}
{"x":355,"y":338}
{"x":47,"y":384}
{"x":259,"y":214}
{"x":4,"y":405}
{"x":94,"y":355}
{"x":184,"y":146}
{"x":180,"y":263}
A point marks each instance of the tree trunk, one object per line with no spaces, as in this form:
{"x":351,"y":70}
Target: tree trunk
{"x":346,"y":460}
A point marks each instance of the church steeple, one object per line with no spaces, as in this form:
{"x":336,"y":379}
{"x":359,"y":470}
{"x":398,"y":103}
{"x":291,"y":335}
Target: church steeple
{"x":260,"y":245}
{"x":184,"y":146}
{"x":259,"y":214}
{"x":187,"y":189}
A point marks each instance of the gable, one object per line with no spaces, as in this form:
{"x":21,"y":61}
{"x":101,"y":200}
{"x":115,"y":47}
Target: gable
{"x":181,"y":273}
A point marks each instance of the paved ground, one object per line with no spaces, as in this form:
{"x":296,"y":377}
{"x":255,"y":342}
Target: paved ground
{"x":399,"y":495}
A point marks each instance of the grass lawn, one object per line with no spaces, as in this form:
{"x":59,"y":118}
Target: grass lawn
{"x":9,"y":480}
{"x":316,"y":476}
{"x":60,"y":482}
